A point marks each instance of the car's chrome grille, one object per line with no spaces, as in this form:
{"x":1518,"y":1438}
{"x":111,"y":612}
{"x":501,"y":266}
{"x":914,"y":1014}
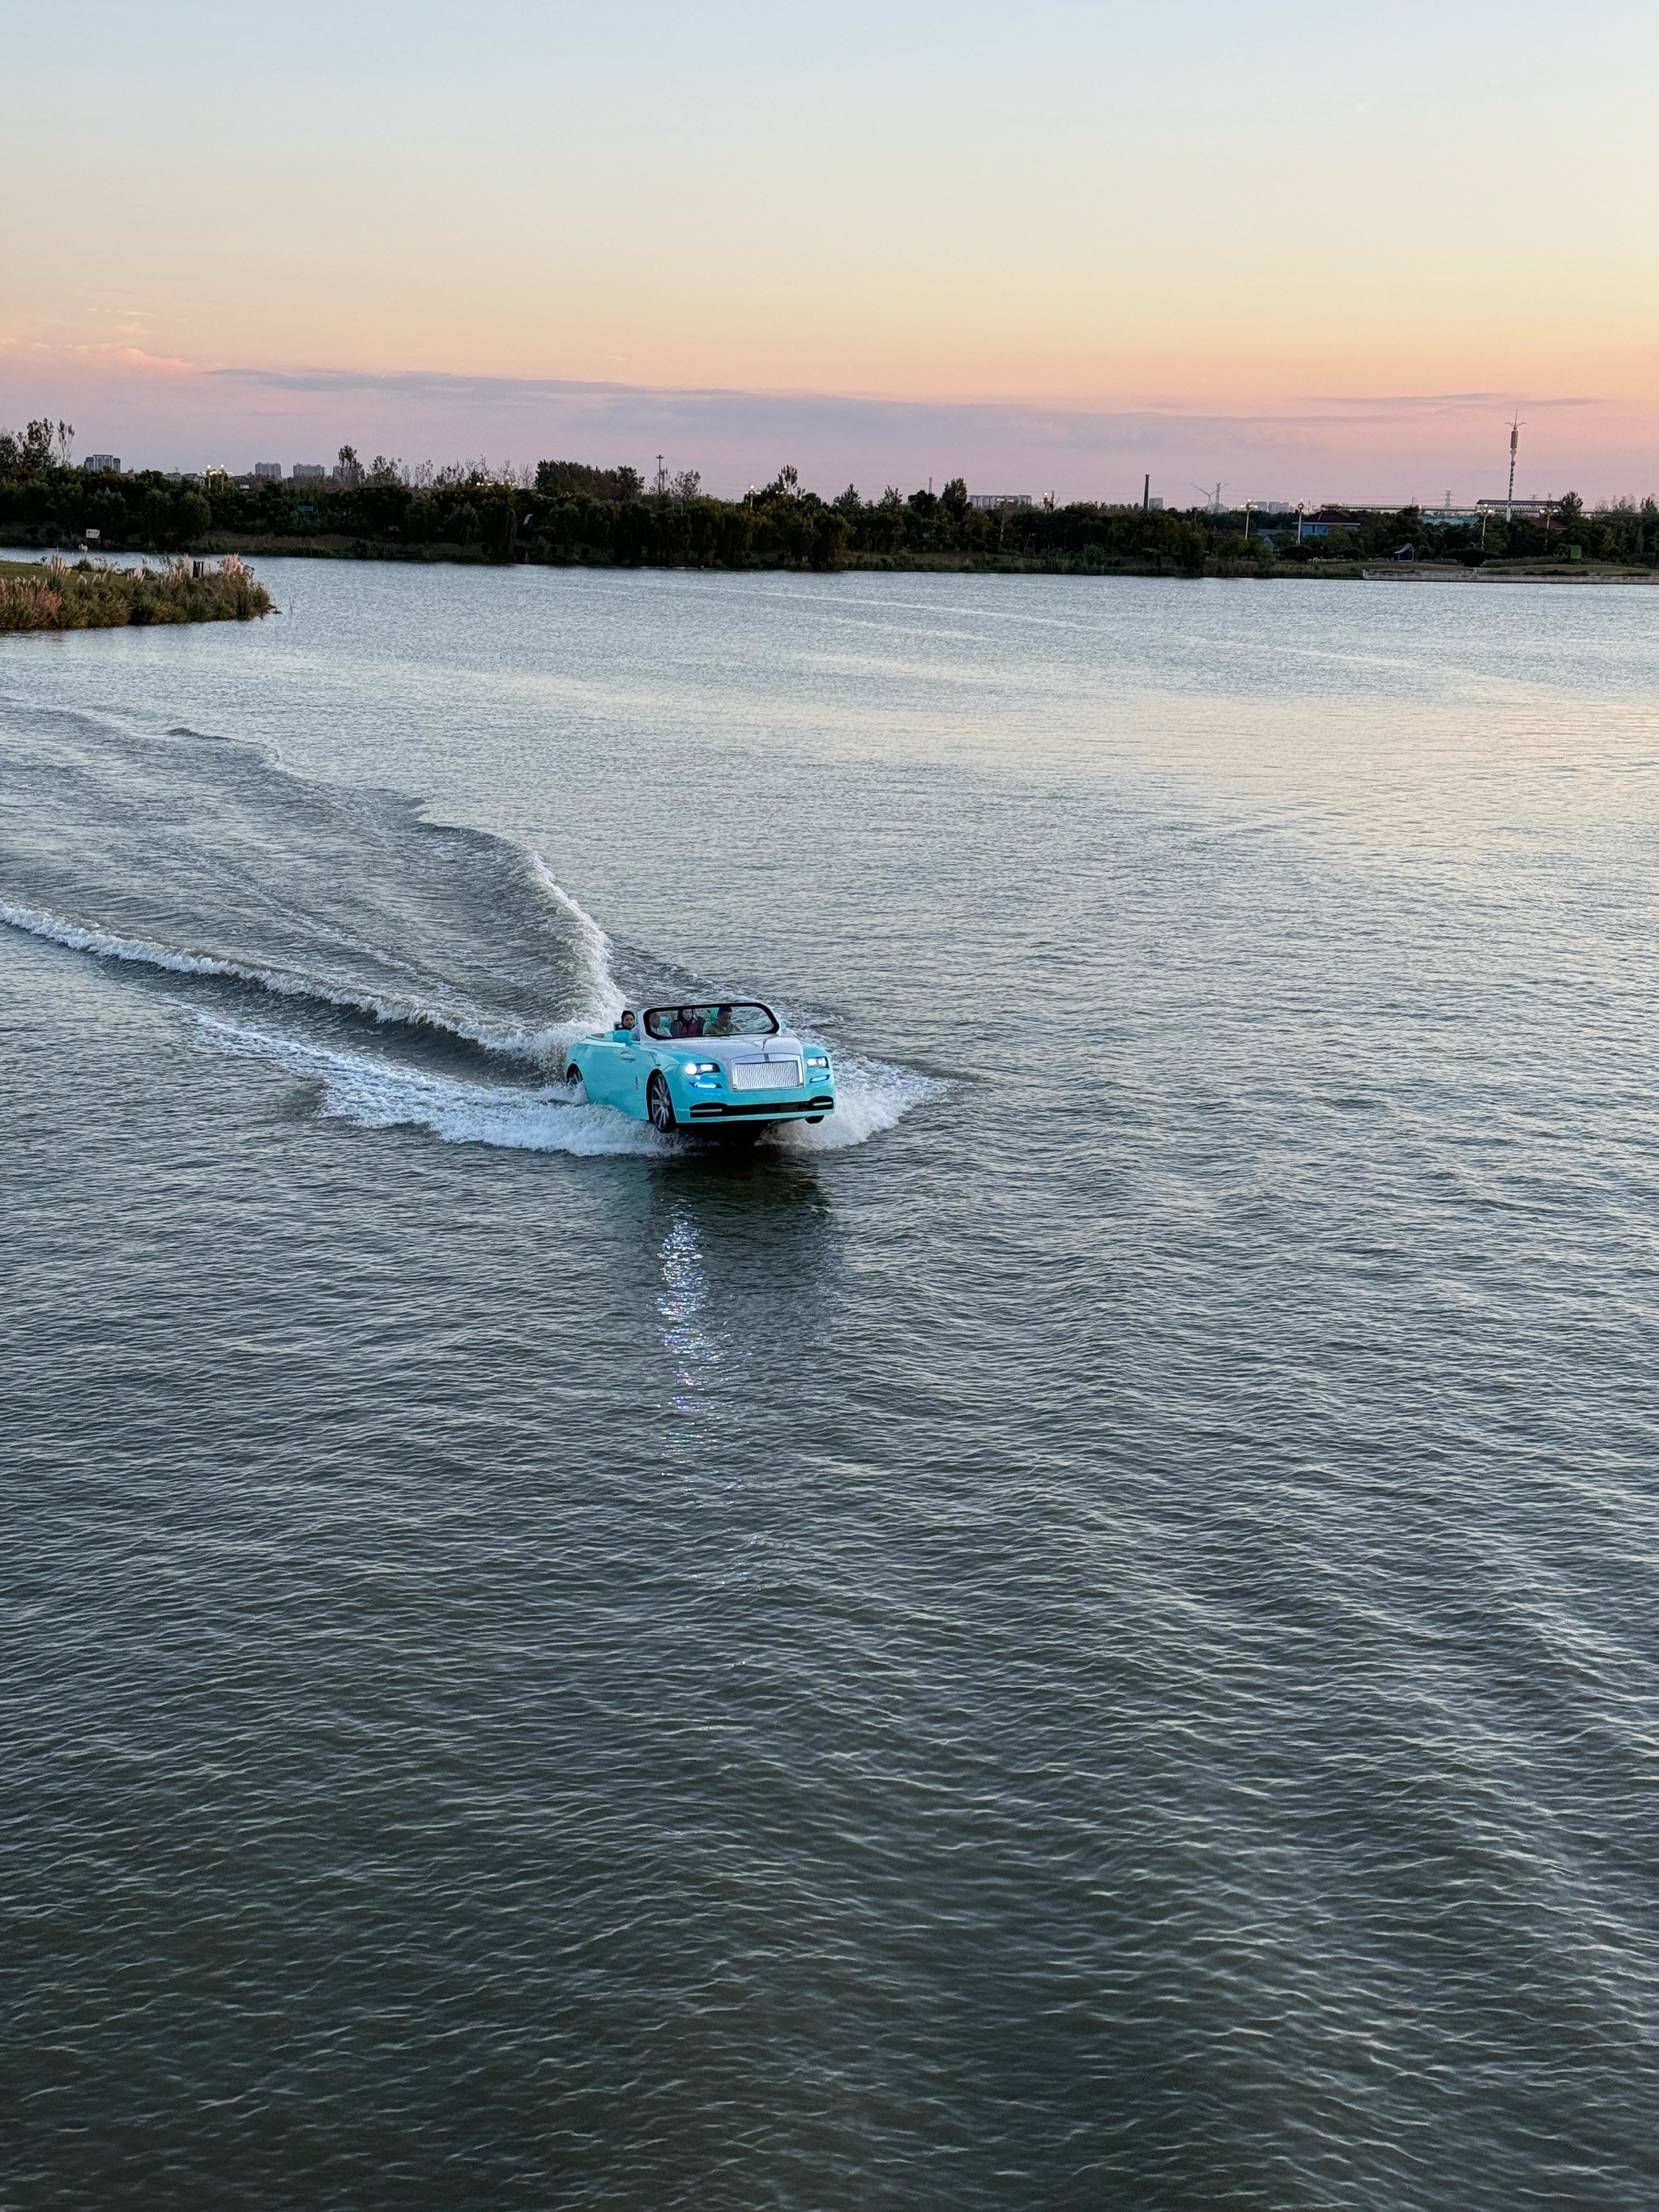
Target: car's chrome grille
{"x":766,"y":1075}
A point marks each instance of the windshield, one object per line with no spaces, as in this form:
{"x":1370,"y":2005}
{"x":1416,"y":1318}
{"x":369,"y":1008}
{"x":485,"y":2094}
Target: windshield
{"x":739,"y":1018}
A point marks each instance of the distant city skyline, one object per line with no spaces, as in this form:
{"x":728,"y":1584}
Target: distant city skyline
{"x":736,"y":439}
{"x":1318,"y":252}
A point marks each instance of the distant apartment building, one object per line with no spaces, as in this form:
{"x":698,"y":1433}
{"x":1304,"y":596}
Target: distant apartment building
{"x":102,"y":464}
{"x":267,"y":471}
{"x":993,"y":500}
{"x":310,"y":472}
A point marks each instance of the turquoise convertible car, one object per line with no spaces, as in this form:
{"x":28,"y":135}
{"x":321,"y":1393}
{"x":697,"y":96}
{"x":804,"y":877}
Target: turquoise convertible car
{"x":728,"y":1066}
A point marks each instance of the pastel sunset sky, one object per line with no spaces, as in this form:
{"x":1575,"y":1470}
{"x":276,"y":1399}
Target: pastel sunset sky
{"x":1316,"y":251}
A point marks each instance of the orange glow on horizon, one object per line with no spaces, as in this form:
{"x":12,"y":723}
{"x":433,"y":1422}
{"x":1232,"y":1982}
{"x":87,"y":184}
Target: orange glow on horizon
{"x":1054,"y":211}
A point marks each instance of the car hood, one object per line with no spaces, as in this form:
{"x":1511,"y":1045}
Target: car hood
{"x":727,"y":1049}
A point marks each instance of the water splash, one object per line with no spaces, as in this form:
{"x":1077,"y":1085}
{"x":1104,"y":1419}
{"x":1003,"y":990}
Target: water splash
{"x":376,"y":1094}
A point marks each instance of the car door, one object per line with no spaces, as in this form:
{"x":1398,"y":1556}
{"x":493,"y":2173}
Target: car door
{"x":629,"y":1080}
{"x":605,"y":1069}
{"x":632,"y":1066}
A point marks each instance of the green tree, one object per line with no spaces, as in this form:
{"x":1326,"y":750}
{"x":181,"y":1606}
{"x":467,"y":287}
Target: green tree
{"x":1190,"y":547}
{"x":155,"y":518}
{"x":500,"y":528}
{"x":29,"y":452}
{"x":830,"y":532}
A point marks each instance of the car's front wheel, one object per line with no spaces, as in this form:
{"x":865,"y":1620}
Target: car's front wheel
{"x":659,"y":1105}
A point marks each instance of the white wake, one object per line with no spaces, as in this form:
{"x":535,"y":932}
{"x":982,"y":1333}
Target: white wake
{"x":376,"y":1095}
{"x":603,"y":996}
{"x":534,"y":1045}
{"x":871,"y":1094}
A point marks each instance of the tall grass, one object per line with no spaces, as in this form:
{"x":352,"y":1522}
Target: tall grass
{"x":89,"y":596}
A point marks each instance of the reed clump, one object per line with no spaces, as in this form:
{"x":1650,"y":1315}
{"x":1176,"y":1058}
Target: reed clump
{"x":55,"y":595}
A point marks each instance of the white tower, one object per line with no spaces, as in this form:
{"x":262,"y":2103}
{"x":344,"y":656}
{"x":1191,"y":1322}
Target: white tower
{"x":1515,"y":441}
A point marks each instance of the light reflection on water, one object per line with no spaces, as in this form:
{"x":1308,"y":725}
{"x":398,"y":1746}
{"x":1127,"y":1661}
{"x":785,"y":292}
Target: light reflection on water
{"x":692,"y":1347}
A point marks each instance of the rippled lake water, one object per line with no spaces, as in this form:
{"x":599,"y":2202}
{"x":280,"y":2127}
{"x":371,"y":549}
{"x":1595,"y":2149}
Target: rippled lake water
{"x":1081,"y":1635}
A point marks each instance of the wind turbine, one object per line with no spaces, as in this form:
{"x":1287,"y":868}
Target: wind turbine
{"x":1212,"y":497}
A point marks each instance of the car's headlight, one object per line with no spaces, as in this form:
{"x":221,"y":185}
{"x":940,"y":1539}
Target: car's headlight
{"x":702,"y":1067}
{"x":817,"y":1059}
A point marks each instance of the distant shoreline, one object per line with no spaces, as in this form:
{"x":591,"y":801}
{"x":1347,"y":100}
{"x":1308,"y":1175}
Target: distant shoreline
{"x":572,"y":515}
{"x":93,"y":611}
{"x":1313,"y":571}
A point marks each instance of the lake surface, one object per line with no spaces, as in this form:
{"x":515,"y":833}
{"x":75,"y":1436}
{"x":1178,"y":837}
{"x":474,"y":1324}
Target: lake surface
{"x":1080,"y":1636}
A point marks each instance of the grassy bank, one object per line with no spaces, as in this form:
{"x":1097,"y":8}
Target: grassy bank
{"x":54,"y":595}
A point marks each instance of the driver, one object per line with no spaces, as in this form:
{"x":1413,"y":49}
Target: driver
{"x":722,"y":1023}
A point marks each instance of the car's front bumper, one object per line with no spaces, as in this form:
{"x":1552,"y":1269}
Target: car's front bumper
{"x":756,"y":1110}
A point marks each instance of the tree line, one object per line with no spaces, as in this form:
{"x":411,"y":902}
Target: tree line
{"x":571,"y":513}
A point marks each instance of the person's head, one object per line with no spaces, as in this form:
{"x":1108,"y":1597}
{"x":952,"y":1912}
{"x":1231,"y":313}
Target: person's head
{"x":625,"y":1019}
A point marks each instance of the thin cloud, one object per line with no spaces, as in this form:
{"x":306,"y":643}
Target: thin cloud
{"x":687,"y":410}
{"x":132,"y":356}
{"x":1395,"y":445}
{"x":1441,"y":402}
